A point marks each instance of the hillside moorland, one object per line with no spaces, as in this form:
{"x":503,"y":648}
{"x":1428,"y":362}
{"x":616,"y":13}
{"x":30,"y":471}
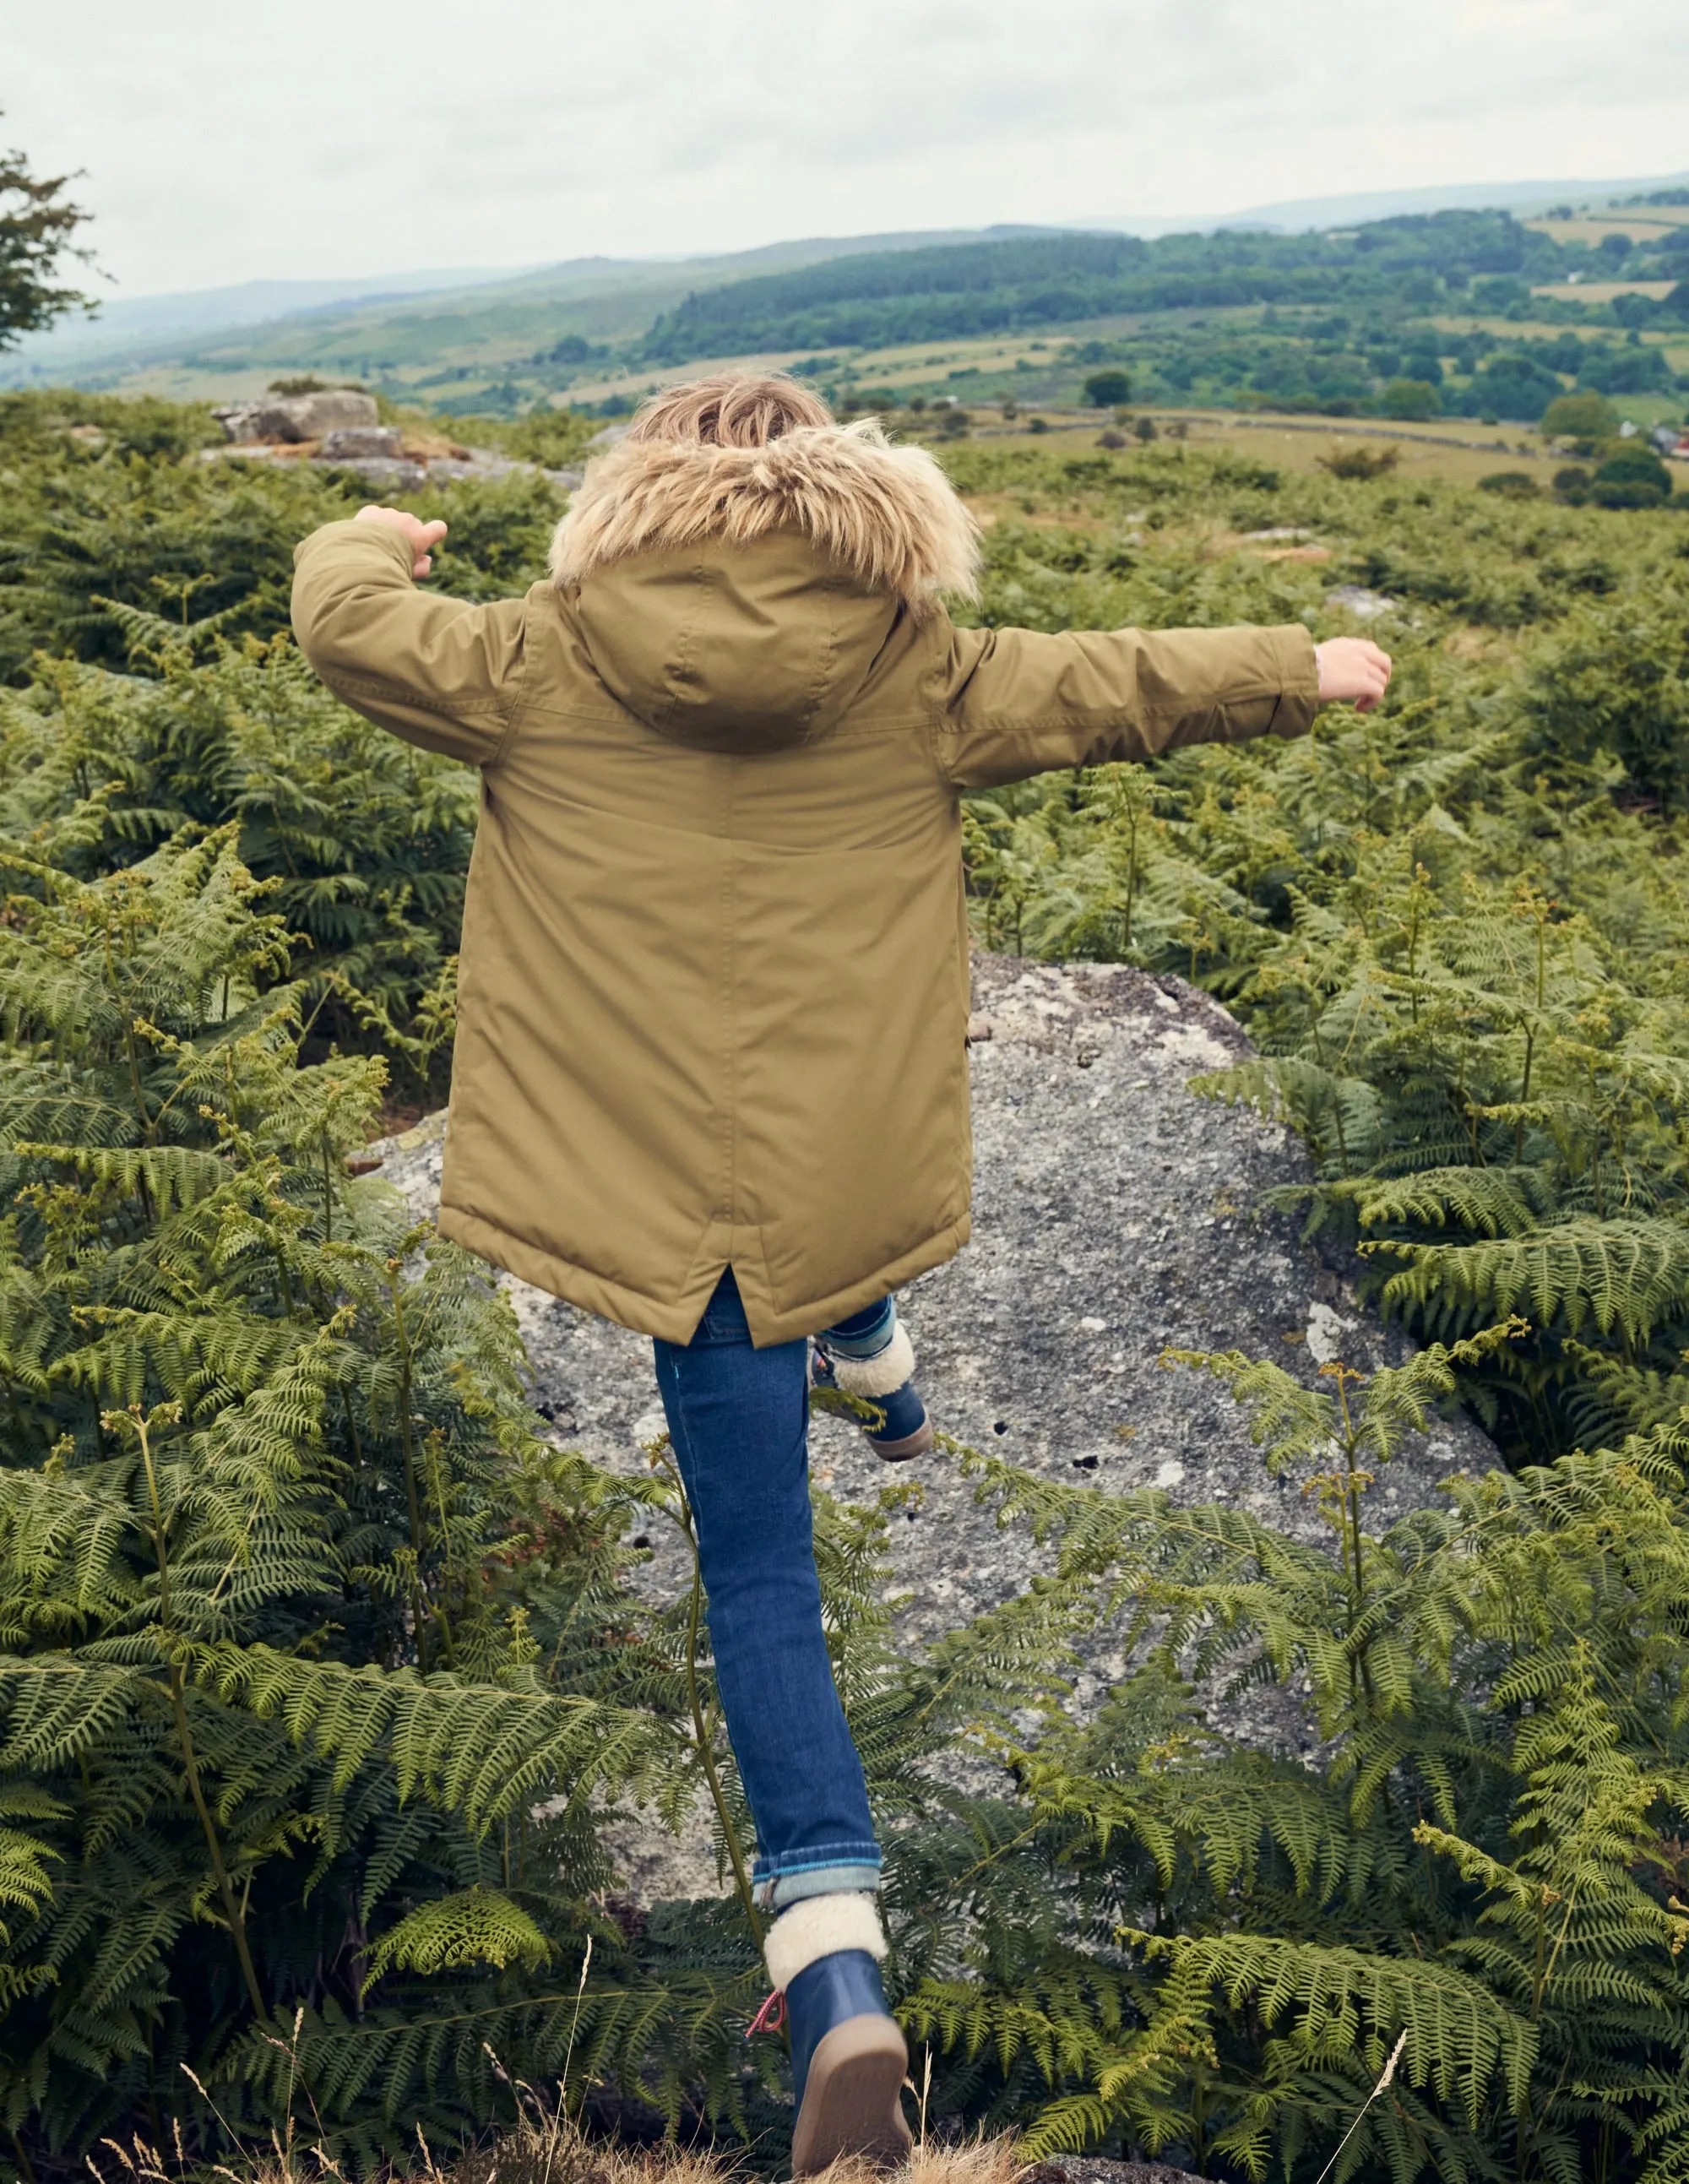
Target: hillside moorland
{"x":325,"y":1665}
{"x":1459,"y":312}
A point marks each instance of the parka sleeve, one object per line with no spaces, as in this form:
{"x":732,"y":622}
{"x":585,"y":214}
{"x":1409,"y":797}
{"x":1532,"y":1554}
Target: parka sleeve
{"x":437,"y":671}
{"x":1017,"y":702}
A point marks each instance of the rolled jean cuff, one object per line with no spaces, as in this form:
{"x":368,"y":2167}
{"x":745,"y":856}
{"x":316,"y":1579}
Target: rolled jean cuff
{"x":839,"y":1869}
{"x":865,"y":1333}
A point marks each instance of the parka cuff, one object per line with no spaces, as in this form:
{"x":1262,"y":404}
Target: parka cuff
{"x":382,"y":537}
{"x":1298,"y":680}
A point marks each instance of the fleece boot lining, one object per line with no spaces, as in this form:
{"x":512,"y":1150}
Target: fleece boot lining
{"x":819,"y":1926}
{"x":870,"y":1378}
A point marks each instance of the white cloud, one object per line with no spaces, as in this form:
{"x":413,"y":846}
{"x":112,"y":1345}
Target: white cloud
{"x":341,"y":136}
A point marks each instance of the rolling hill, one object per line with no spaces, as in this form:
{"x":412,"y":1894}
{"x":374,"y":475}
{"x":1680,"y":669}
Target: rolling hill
{"x":871,"y":301}
{"x":402,"y":325}
{"x":1453,"y":309}
{"x":432,"y":331}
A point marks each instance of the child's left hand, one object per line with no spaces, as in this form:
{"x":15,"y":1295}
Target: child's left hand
{"x":418,"y":536}
{"x":1353,"y":670}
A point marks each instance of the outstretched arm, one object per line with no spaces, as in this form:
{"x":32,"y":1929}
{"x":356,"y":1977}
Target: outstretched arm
{"x":437,"y":671}
{"x":1019,"y":703}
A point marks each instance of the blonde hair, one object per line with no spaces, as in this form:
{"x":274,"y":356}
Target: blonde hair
{"x":730,"y":410}
{"x":740,"y":455}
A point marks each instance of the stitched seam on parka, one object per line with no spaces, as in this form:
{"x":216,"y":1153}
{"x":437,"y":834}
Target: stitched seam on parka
{"x":826,"y":656}
{"x":379,"y":688}
{"x":501,"y":749}
{"x":685,"y":639}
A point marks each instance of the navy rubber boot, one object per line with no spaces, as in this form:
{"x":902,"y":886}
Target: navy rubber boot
{"x":900,"y":1430}
{"x":848,"y":2063}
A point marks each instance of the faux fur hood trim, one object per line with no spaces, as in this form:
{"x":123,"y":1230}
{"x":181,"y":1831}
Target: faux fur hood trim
{"x":888,"y":517}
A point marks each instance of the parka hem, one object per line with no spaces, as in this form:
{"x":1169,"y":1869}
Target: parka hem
{"x":678,"y":1322}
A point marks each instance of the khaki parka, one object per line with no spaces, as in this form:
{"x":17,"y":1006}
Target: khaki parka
{"x":714,"y":985}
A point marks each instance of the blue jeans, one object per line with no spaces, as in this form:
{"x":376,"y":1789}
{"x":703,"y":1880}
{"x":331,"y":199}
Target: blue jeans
{"x":738,"y":1419}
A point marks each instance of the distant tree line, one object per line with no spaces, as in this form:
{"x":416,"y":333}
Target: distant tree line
{"x":881,"y":298}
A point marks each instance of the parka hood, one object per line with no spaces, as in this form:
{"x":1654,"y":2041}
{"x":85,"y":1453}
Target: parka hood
{"x":733,"y":648}
{"x":735,"y":598}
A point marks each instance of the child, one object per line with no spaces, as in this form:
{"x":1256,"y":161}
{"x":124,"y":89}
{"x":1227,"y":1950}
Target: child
{"x":724,"y":752}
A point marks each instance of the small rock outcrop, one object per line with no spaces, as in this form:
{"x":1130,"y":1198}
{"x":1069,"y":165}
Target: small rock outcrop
{"x":292,"y":419}
{"x":339,"y":428}
{"x":363,"y":444}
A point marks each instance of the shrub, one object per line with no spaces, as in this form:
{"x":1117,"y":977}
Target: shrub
{"x":1517,"y":386}
{"x":1632,"y":476}
{"x":1616,"y":680}
{"x":1516,"y":485}
{"x":309,"y":383}
{"x":216,"y":540}
{"x":1484,"y":1865}
{"x":1584,"y":419}
{"x":1360,"y":463}
{"x":364,"y":842}
{"x":266,"y":1476}
{"x":322,"y":1670}
{"x":1107,"y":390}
{"x":550,"y":437}
{"x":1411,"y":399}
{"x":208,"y":543}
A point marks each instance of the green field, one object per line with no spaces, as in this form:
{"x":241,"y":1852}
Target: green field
{"x":1303,"y":445}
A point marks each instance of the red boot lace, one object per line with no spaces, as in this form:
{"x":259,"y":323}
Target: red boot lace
{"x":771,"y":2015}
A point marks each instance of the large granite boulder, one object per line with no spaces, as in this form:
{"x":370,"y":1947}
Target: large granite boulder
{"x":1116,"y":1215}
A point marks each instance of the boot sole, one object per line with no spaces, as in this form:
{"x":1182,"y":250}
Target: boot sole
{"x":919,"y":1443}
{"x":852,"y":2104}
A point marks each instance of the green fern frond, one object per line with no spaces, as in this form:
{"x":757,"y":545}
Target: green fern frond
{"x":1488,"y":1201}
{"x":478,"y":1752}
{"x":1618,"y":1274}
{"x":1460,"y":2039}
{"x":476,"y":1926}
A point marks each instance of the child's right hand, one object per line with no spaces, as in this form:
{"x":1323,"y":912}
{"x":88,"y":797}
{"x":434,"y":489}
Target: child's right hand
{"x":1353,"y":670}
{"x":420,"y":538}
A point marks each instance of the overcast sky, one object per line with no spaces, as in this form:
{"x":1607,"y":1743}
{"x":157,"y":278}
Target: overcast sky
{"x":342,"y":137}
